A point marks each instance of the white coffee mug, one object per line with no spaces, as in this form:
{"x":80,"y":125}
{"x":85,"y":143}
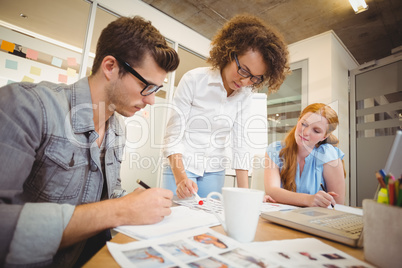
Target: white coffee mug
{"x":241,"y":208}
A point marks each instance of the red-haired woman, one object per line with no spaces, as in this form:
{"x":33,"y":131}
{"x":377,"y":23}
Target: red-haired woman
{"x":307,"y":158}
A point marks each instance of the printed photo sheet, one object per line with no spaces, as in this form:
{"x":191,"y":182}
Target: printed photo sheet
{"x":204,"y":247}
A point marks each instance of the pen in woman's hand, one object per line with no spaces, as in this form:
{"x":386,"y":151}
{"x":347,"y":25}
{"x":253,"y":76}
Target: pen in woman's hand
{"x":325,"y":190}
{"x":143,"y":184}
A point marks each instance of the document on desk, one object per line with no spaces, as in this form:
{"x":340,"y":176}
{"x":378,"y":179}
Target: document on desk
{"x":204,"y":247}
{"x":357,"y":211}
{"x":182,"y":218}
{"x":196,"y":248}
{"x":266,"y":207}
{"x":304,"y":252}
{"x":216,"y":205}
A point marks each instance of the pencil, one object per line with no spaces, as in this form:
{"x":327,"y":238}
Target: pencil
{"x":325,"y":190}
{"x":380,"y":180}
{"x":143,"y":184}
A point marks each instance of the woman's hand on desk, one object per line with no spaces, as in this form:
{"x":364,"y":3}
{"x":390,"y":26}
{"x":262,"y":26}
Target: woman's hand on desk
{"x":268,"y":198}
{"x":323,"y":199}
{"x":185,"y":188}
{"x":145,"y":206}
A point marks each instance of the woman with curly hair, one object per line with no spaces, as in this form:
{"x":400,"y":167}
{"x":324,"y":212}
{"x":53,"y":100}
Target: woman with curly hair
{"x":307,"y":158}
{"x":212,"y":103}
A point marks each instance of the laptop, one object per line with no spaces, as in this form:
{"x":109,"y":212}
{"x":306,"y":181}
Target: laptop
{"x":336,"y":225}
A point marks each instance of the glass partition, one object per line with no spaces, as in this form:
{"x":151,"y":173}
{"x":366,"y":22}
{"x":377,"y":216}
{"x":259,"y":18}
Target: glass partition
{"x":188,"y":60}
{"x":102,"y":18}
{"x":285,"y":105}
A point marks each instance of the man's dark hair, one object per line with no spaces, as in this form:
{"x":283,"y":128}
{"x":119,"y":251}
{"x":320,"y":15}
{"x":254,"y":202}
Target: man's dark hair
{"x":131,"y":39}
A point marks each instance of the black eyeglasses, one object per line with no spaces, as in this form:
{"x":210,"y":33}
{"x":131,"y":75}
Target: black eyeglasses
{"x":246,"y":74}
{"x":149,"y":88}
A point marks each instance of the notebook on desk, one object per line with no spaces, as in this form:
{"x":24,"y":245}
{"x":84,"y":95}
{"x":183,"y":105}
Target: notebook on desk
{"x":340,"y":226}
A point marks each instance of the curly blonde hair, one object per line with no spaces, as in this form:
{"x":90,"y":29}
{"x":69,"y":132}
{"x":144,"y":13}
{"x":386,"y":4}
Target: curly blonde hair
{"x":246,"y":32}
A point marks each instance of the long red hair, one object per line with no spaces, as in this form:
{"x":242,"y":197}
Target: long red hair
{"x":288,"y":154}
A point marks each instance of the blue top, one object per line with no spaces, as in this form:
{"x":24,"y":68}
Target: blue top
{"x":312,"y":175}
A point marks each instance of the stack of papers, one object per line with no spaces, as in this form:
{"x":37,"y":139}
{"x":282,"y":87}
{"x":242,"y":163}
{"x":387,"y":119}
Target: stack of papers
{"x":182,"y":218}
{"x":206,"y":248}
{"x":190,"y":215}
{"x":212,"y":205}
{"x":357,"y":211}
{"x":268,"y":207}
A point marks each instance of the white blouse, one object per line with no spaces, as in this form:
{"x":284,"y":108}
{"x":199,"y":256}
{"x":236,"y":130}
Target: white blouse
{"x":204,"y":122}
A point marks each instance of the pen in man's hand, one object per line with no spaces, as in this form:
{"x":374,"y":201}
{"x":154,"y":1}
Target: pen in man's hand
{"x":325,"y":190}
{"x":143,"y":184}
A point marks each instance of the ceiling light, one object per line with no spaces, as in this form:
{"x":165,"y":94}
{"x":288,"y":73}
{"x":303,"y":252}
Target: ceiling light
{"x":22,"y":15}
{"x":358,"y":5}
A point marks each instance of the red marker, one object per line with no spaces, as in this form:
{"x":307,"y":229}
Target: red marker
{"x":198,"y":199}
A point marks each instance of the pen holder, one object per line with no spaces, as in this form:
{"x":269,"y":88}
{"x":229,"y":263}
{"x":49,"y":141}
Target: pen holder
{"x":382,"y":234}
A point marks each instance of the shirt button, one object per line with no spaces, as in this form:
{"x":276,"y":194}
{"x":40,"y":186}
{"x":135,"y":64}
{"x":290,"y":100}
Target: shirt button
{"x":94,"y":167}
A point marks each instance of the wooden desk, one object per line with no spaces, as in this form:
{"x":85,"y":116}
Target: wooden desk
{"x":266,"y":231}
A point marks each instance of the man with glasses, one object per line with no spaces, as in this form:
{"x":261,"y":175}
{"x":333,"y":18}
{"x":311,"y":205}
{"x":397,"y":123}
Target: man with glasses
{"x":212,"y":104}
{"x":61,"y":149}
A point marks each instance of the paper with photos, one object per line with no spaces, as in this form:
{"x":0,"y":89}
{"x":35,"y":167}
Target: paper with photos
{"x":204,"y":247}
{"x":305,"y":252}
{"x":196,"y":248}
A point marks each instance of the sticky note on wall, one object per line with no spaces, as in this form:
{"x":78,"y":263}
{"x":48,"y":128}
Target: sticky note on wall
{"x":27,"y":79}
{"x":32,"y":54}
{"x":57,"y":62}
{"x":35,"y":70}
{"x":8,"y":46}
{"x":71,"y":72}
{"x":11,"y":64}
{"x":62,"y":78}
{"x":71,"y":61}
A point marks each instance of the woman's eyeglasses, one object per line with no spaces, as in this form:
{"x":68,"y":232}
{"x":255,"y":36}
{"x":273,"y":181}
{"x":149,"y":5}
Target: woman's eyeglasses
{"x":247,"y":74}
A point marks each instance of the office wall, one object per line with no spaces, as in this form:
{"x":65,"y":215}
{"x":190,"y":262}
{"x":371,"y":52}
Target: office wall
{"x":329,"y":63}
{"x":24,"y":69}
{"x":169,"y":27}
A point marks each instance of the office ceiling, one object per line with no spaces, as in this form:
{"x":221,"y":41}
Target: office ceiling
{"x":369,"y":35}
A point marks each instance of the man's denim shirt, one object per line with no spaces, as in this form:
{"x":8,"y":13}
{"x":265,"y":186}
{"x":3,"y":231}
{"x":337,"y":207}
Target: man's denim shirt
{"x":49,"y":163}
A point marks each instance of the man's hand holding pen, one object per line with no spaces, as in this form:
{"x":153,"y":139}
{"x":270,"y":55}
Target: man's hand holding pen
{"x":143,"y":206}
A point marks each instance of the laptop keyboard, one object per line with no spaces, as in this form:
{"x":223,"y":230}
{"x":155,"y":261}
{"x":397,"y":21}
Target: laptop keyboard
{"x":349,"y":223}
